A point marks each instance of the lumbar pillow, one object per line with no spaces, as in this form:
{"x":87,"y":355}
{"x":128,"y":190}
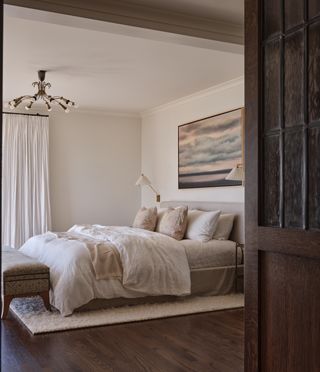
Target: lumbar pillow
{"x":174,"y":222}
{"x":146,"y":218}
{"x":202,"y":225}
{"x":224,"y":227}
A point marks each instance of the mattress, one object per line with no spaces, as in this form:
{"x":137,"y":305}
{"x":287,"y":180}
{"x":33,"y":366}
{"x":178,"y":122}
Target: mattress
{"x":214,"y":253}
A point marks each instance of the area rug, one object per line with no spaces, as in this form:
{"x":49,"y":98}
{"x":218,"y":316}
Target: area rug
{"x":37,"y":319}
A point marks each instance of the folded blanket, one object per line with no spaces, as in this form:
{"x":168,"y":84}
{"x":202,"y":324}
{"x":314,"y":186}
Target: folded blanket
{"x":104,"y":255}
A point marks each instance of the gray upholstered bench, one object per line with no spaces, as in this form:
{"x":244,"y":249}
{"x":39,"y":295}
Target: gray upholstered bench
{"x":22,"y":276}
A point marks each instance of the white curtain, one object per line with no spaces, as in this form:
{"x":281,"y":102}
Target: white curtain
{"x":25,"y":178}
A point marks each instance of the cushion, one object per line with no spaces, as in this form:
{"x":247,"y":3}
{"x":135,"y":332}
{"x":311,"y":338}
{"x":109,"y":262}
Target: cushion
{"x":146,"y":218}
{"x":22,"y":274}
{"x":16,"y":263}
{"x":161,"y":212}
{"x":202,"y":225}
{"x":224,"y":227}
{"x":174,"y":222}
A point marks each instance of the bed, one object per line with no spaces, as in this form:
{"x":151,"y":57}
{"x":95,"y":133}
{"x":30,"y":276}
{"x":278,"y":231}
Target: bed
{"x":155,"y":267}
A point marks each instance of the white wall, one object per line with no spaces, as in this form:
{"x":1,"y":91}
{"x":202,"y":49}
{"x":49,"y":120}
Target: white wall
{"x":95,"y":160}
{"x":160,"y":143}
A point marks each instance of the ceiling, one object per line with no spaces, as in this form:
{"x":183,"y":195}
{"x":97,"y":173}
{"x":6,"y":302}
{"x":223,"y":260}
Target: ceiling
{"x":109,"y":71}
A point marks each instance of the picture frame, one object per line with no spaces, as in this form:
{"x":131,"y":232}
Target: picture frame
{"x":209,"y":148}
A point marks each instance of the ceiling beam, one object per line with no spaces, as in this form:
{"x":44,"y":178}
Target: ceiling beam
{"x":122,"y":12}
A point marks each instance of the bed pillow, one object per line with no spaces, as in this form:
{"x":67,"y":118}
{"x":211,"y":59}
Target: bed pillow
{"x":224,"y":227}
{"x":161,"y":212}
{"x":146,"y":218}
{"x":174,"y":222}
{"x":202,"y":225}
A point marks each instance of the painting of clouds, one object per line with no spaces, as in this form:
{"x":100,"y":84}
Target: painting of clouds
{"x":209,"y":149}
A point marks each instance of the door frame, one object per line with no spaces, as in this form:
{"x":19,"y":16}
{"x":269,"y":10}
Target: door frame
{"x":252,"y":86}
{"x":193,"y":26}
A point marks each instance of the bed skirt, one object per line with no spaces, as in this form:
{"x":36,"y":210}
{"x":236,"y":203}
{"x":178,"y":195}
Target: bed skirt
{"x":213,"y":281}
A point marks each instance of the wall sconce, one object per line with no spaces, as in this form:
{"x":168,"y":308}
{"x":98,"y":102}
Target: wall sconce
{"x":144,"y":181}
{"x":236,"y":174}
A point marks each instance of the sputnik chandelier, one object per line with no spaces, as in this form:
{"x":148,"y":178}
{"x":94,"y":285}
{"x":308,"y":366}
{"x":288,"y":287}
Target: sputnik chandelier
{"x":42,"y":95}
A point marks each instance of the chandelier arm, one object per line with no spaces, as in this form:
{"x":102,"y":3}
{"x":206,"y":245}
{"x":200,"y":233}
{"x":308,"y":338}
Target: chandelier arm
{"x":62,"y":105}
{"x":53,"y":99}
{"x":56,"y":99}
{"x":19,"y":99}
{"x":18,"y":103}
{"x":47,"y":102}
{"x":68,"y":102}
{"x":23,"y":98}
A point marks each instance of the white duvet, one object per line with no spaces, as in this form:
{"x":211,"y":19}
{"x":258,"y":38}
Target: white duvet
{"x":153,"y":264}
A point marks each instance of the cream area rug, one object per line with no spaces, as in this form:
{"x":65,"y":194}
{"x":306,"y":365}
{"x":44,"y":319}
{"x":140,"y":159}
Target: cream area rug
{"x":37,"y":319}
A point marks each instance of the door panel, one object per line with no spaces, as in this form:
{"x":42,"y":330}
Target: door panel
{"x":314,"y":72}
{"x":271,"y":215}
{"x":282,"y":163}
{"x":290,"y":321}
{"x":272,"y":19}
{"x":294,"y":12}
{"x":272,"y":117}
{"x":293,"y":186}
{"x":314,"y":8}
{"x":314,"y":176}
{"x":293,"y":79}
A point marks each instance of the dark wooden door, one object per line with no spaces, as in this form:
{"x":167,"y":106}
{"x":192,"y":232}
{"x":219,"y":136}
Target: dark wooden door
{"x":282,"y":276}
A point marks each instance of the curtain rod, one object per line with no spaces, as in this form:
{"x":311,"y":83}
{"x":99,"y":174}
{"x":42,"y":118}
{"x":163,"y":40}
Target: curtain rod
{"x":18,"y":113}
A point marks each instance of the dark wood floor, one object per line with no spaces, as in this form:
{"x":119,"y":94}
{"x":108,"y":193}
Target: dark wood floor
{"x":203,"y":342}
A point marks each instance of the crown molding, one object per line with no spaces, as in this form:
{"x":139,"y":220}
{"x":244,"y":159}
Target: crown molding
{"x":80,"y":110}
{"x":150,"y":17}
{"x":105,"y":112}
{"x":201,"y":94}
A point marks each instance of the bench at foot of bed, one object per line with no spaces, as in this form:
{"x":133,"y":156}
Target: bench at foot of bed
{"x":22,"y":276}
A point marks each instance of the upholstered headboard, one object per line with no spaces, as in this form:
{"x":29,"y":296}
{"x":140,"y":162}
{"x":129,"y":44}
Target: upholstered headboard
{"x":237,"y":233}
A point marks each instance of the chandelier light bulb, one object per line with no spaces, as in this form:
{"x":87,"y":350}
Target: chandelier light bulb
{"x":67,"y":111}
{"x":28,"y":107}
{"x":48,"y":106}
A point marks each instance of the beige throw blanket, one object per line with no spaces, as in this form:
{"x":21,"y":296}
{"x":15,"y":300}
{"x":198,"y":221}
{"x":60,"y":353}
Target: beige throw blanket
{"x":104,"y":256}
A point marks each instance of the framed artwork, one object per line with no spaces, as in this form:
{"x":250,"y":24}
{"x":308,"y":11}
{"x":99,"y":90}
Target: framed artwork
{"x":209,"y":149}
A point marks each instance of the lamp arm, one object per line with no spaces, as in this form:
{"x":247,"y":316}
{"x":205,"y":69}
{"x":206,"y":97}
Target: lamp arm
{"x":156,"y":192}
{"x":153,"y":189}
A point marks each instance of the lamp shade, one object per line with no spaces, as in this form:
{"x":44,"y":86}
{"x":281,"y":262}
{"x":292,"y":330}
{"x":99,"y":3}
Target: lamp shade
{"x":143,"y":181}
{"x":236,"y":173}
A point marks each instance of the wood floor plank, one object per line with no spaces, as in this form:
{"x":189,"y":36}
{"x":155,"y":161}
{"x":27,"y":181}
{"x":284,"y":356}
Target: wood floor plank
{"x":200,"y":342}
